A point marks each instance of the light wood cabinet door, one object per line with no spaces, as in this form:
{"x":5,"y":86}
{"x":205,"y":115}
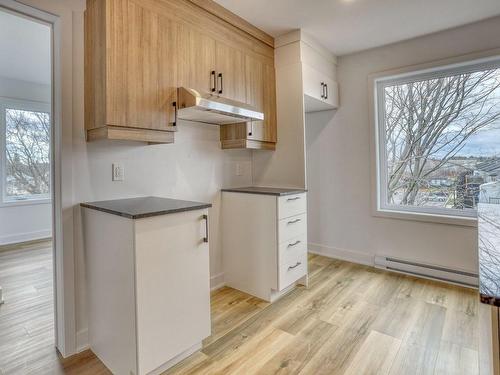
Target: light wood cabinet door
{"x":261,"y":93}
{"x":141,"y":75}
{"x":260,"y":89}
{"x":230,"y":68}
{"x":196,"y":59}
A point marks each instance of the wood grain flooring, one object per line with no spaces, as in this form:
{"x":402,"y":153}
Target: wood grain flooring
{"x":351,"y":320}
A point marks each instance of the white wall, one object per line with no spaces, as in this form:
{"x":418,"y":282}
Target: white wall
{"x":24,"y":222}
{"x":339,"y":161}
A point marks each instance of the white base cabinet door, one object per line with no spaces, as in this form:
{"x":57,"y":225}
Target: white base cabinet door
{"x":172,"y":286}
{"x":148,"y":289}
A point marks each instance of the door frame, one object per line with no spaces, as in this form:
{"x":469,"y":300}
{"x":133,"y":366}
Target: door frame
{"x":63,"y":257}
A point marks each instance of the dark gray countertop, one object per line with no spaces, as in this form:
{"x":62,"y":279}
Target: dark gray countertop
{"x":265,"y":190}
{"x":489,"y":253}
{"x":138,"y":208}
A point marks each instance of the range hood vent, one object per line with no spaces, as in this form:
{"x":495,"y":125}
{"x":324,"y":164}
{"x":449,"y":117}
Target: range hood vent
{"x":195,"y":106}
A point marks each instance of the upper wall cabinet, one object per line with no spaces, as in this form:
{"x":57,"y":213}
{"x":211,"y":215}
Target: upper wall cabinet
{"x":318,"y":67}
{"x":138,"y":52}
{"x":260,"y":84}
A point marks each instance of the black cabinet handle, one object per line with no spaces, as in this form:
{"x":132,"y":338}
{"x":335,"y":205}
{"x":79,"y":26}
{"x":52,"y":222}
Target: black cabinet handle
{"x":294,"y":244}
{"x":292,"y":199}
{"x":326,"y":91}
{"x":205,"y":239}
{"x":251,"y":128}
{"x":221,"y":88}
{"x":292,"y":267}
{"x":174,"y":104}
{"x":293,"y":221}
{"x":214,"y":81}
{"x":322,"y":90}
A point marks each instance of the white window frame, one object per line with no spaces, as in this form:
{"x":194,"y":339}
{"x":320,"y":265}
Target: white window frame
{"x":379,"y":82}
{"x":23,"y":105}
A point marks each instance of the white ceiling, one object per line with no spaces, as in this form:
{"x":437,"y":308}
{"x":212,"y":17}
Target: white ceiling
{"x":24,"y":49}
{"x":346,"y":26}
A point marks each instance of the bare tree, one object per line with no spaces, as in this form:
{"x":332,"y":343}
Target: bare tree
{"x":27,"y":152}
{"x":428,"y":122}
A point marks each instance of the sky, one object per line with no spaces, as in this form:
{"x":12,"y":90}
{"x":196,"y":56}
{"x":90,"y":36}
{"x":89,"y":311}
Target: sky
{"x":483,"y":143}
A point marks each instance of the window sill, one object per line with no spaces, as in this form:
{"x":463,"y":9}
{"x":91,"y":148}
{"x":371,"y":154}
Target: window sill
{"x":26,"y":202}
{"x":464,"y":221}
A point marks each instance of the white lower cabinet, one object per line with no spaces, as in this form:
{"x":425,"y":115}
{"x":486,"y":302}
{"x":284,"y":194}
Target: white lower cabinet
{"x":148,"y":289}
{"x":264,"y":242}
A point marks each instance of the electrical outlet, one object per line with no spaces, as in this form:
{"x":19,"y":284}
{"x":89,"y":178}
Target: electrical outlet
{"x":239,"y":170}
{"x":118,"y":172}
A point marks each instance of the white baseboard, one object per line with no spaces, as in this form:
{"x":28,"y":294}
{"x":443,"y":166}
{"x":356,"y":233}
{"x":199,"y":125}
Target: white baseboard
{"x":24,"y":237}
{"x":82,"y":340}
{"x":217,"y":281}
{"x":342,"y":254}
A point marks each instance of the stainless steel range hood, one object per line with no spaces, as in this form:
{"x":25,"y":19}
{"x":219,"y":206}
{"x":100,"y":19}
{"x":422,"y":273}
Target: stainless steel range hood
{"x":193,"y":105}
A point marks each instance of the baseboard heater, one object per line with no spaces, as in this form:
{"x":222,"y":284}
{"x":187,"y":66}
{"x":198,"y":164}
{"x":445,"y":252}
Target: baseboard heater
{"x":427,"y":271}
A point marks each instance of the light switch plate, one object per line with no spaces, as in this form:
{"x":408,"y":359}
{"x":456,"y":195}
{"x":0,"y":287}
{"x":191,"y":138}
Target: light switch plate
{"x":118,"y":172}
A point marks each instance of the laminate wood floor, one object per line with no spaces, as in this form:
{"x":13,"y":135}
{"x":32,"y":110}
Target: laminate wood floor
{"x":351,"y":320}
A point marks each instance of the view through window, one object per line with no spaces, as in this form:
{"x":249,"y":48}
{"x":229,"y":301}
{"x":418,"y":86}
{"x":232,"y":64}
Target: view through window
{"x":27,"y":154}
{"x":439,"y":140}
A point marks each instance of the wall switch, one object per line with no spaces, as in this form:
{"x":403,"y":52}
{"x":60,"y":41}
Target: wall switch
{"x":239,"y":170}
{"x":118,"y":173}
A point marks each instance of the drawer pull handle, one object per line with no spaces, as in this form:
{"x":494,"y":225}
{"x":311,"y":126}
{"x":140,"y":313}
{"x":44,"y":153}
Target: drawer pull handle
{"x":292,"y":199}
{"x":296,"y":265}
{"x":205,"y":217}
{"x":293,"y":221}
{"x":294,"y":244}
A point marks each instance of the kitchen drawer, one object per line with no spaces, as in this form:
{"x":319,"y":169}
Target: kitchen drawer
{"x":292,"y":268}
{"x":291,"y":205}
{"x":292,"y":227}
{"x":292,"y":248}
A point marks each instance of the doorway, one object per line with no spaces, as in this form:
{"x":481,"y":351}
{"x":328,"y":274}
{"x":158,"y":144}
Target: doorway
{"x":27,"y":309}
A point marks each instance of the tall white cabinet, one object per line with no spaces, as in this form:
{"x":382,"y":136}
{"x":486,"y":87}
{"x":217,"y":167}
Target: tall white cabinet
{"x":148,"y":282}
{"x":264,"y":240}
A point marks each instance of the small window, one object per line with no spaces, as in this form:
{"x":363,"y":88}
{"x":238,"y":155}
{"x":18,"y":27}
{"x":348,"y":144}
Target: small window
{"x":438,"y":139}
{"x":25,"y":151}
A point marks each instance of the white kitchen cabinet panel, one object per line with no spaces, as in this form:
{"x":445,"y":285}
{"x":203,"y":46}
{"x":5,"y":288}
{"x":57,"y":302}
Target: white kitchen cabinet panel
{"x":320,"y":91}
{"x":264,"y":240}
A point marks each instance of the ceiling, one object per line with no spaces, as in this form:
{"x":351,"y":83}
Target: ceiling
{"x":25,"y":49}
{"x":346,"y":26}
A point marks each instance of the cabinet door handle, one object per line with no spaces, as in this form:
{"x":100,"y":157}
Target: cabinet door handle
{"x":221,"y":88}
{"x":205,"y":217}
{"x":214,"y":81}
{"x":293,"y":221}
{"x":296,"y":265}
{"x":322,"y":90}
{"x":326,"y":91}
{"x":292,"y":199}
{"x":251,"y":129}
{"x":294,"y":244}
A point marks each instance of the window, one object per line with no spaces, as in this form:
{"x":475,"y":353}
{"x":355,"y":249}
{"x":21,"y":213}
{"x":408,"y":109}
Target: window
{"x":438,"y":140}
{"x":25,"y":150}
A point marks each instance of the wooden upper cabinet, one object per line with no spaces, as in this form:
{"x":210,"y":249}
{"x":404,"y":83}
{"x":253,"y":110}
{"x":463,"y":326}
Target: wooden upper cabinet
{"x":261,"y":93}
{"x":230,"y":70}
{"x":260,"y":84}
{"x":131,"y":63}
{"x":196,"y":59}
{"x":138,"y":52}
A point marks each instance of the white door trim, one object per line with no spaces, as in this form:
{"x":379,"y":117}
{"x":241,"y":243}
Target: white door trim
{"x":64,"y":281}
